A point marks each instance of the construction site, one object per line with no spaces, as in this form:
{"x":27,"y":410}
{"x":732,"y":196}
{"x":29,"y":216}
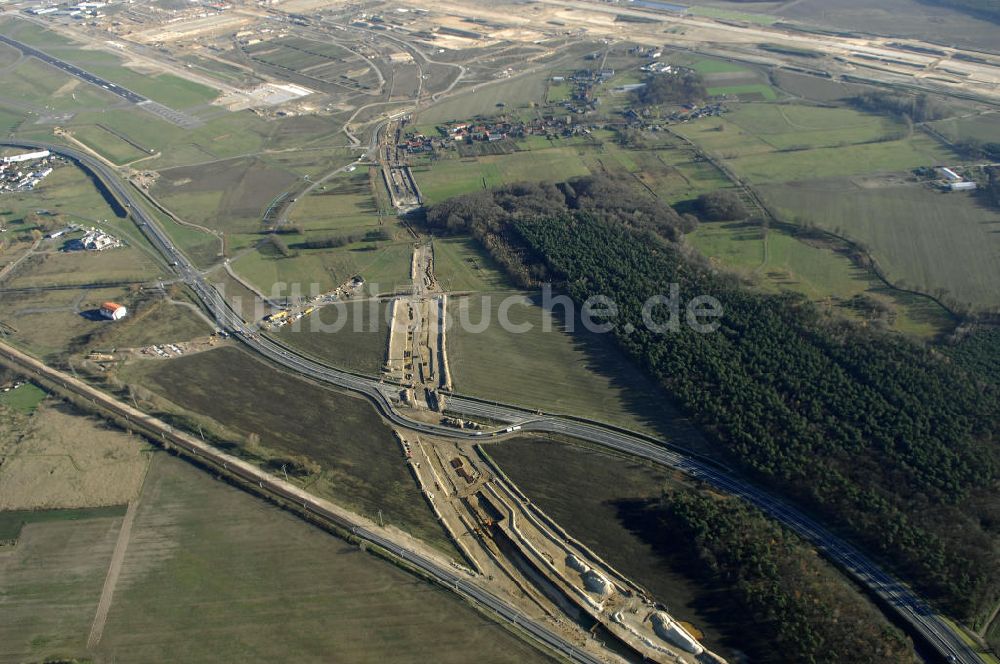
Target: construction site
{"x":503,"y":537}
{"x":297,"y":43}
{"x":403,"y":190}
{"x":521,"y":550}
{"x":416,"y":355}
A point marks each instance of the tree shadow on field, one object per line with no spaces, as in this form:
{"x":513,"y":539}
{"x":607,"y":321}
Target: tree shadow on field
{"x":93,"y":315}
{"x":714,"y":600}
{"x":642,"y":397}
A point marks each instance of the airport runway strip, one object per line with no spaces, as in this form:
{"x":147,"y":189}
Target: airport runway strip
{"x":176,"y":117}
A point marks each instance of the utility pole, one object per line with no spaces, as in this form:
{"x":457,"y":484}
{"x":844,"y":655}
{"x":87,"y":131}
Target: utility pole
{"x":380,"y":523}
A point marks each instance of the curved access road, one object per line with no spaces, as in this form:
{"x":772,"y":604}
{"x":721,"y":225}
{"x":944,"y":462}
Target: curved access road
{"x":441,"y":571}
{"x":892,"y":593}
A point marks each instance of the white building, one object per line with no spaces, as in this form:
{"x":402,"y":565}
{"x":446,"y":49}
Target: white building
{"x":962,"y":186}
{"x":27,"y":156}
{"x":113,"y":311}
{"x":95,"y":240}
{"x":949,"y":174}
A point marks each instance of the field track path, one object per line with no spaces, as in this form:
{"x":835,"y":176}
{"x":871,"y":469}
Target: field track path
{"x":13,"y":266}
{"x":114,"y":570}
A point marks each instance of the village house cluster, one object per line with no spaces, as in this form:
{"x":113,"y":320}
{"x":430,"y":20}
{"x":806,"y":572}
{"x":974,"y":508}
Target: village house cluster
{"x":489,"y":131}
{"x":645,"y":120}
{"x":22,"y":172}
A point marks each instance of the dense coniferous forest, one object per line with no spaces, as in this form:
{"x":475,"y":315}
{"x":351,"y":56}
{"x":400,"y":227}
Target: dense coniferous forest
{"x":979,"y":353}
{"x":812,"y":616}
{"x":883,"y":439}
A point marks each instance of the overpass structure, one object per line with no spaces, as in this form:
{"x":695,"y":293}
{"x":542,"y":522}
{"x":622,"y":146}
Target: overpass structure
{"x":896,"y":597}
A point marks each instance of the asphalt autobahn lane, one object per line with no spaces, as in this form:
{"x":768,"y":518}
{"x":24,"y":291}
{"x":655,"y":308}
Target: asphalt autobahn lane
{"x":896,"y":596}
{"x":483,"y":596}
{"x":245,"y":471}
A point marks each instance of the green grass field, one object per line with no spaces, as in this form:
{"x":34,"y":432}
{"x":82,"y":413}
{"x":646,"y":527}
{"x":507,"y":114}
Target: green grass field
{"x":590,"y":493}
{"x":449,"y":177}
{"x":749,"y":90}
{"x":215,"y":575}
{"x":46,"y":323}
{"x":121,"y":264}
{"x":230,"y":196}
{"x":823,"y":272}
{"x":797,"y":126}
{"x":706,"y":66}
{"x":558,"y":92}
{"x":460,"y":265}
{"x":49,"y":89}
{"x":920,"y":237}
{"x":355,"y":346}
{"x":66,"y":191}
{"x":167,"y":89}
{"x":112,"y":147}
{"x":814,"y":87}
{"x":579,"y":374}
{"x":343,"y":206}
{"x":669,"y":171}
{"x":52,"y":582}
{"x":384,"y":266}
{"x":483,"y":99}
{"x":362,"y":465}
{"x":890,"y":156}
{"x":984,"y":127}
{"x":25,"y":399}
{"x":10,"y":120}
{"x":164,"y":323}
{"x":13,"y":522}
{"x":223,"y":136}
{"x":767,"y":143}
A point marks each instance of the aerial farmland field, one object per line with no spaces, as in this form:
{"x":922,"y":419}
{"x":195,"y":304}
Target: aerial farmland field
{"x":765,"y":177}
{"x":534,"y":367}
{"x":920,"y":237}
{"x":361,"y":465}
{"x":824,"y":272}
{"x":450,"y":177}
{"x":245,"y":580}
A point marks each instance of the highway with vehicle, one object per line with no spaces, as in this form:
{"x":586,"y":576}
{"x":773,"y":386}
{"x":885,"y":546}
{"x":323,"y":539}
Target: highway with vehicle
{"x":893,"y":594}
{"x":453,"y":578}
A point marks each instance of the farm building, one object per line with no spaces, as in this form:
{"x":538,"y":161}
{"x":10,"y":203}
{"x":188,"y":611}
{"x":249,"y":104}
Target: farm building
{"x":962,"y":186}
{"x":27,"y":156}
{"x":95,"y":240}
{"x":949,"y":174}
{"x":113,"y":310}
